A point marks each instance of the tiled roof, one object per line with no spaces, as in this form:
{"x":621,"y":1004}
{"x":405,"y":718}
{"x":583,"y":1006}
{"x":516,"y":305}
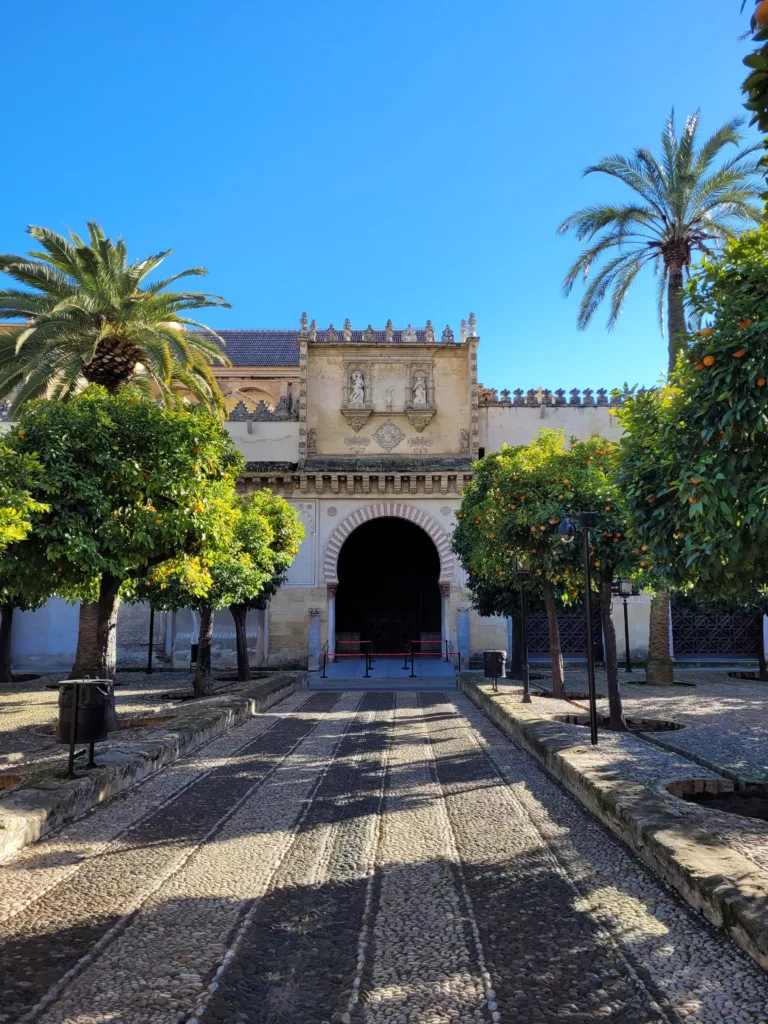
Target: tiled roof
{"x":261,"y":348}
{"x":280,"y":348}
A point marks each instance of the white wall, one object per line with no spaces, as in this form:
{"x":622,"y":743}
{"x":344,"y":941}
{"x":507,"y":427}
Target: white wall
{"x":267,"y":441}
{"x":45,"y":640}
{"x":516,"y":425}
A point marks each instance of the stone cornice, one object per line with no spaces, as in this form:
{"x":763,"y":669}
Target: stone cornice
{"x":292,"y":482}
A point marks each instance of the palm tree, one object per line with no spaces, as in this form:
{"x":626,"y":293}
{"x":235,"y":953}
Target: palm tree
{"x":683,"y":205}
{"x":89,"y":320}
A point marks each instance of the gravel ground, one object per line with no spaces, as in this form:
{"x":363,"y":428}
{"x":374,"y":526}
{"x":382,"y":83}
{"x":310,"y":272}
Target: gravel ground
{"x":362,"y":859}
{"x":726,"y":720}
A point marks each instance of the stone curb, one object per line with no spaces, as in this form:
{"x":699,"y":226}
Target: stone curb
{"x":720,"y":883}
{"x":39,"y":807}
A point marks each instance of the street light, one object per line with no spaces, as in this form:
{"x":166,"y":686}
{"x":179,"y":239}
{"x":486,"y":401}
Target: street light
{"x":567,"y":531}
{"x":626,"y":589}
{"x":522,"y":574}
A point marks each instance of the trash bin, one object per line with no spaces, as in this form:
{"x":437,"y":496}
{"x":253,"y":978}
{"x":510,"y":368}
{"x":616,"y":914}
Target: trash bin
{"x":495,"y":664}
{"x":92,"y":702}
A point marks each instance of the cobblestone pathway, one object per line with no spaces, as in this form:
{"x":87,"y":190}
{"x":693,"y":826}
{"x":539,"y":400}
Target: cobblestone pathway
{"x":367,"y":858}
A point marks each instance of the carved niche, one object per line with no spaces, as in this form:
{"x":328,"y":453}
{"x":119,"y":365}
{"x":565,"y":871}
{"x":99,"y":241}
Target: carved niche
{"x":420,"y":404}
{"x":357,"y":393}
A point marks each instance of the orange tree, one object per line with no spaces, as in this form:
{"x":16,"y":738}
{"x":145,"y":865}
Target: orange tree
{"x":513,"y":509}
{"x":239,"y":572}
{"x":128,"y":485}
{"x":694,"y":463}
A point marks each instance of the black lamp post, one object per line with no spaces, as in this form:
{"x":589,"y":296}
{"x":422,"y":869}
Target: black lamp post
{"x":567,"y":532}
{"x":626,"y":590}
{"x":522,"y":574}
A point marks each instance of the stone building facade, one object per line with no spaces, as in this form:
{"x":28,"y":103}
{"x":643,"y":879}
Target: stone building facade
{"x":371,"y":434}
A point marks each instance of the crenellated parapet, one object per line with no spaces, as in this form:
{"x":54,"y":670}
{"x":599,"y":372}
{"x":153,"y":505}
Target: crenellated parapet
{"x":536,"y":398}
{"x":284,"y":411}
{"x":388,"y":335}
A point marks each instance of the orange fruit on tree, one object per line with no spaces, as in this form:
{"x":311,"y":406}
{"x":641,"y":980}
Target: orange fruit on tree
{"x":699,"y":366}
{"x":744,"y":324}
{"x":739,"y":354}
{"x":761,"y":13}
{"x":761,"y":382}
{"x":707,"y":332}
{"x":709,"y":360}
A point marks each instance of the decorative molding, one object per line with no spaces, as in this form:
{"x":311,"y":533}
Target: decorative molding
{"x":388,"y":435}
{"x":391,"y":509}
{"x":332,"y":511}
{"x":357,"y":445}
{"x":445,"y":589}
{"x":464,"y":441}
{"x":421,"y":418}
{"x":314,"y":613}
{"x":420,"y":445}
{"x":445,"y":510}
{"x":356,"y":418}
{"x":311,"y":443}
{"x":447,"y":337}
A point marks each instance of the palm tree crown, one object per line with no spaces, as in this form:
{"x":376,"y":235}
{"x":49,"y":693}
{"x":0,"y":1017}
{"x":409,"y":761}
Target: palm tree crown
{"x":89,"y":320}
{"x":683,"y":204}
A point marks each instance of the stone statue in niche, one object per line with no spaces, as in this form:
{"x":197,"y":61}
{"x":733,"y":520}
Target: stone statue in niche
{"x":420,"y":391}
{"x":357,"y":391}
{"x":389,"y":397}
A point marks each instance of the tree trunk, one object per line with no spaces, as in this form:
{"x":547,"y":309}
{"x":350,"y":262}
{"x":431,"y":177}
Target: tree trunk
{"x":615,"y":711}
{"x":675,"y":312}
{"x":658,"y":670}
{"x":760,"y":649}
{"x":555,"y":650}
{"x":6,"y":626}
{"x":96,"y":653}
{"x":516,"y":661}
{"x":240,"y":614}
{"x":203,"y":678}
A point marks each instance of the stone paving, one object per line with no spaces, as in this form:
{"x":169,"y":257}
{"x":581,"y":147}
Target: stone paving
{"x":376,"y":858}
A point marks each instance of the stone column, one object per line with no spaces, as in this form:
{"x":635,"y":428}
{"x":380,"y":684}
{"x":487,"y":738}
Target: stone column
{"x":462,"y":629}
{"x":445,"y":626}
{"x":313,"y":641}
{"x":332,"y":621}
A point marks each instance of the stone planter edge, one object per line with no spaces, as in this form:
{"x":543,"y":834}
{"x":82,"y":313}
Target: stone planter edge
{"x":35,"y":810}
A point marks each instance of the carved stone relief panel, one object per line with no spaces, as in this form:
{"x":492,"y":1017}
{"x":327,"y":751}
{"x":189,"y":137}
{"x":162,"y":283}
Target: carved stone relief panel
{"x":357,"y":393}
{"x":388,"y":436}
{"x":304,"y":568}
{"x":420,"y":404}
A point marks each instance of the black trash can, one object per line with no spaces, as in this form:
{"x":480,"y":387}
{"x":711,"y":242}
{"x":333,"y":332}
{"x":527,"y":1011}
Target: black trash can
{"x":495,"y":663}
{"x":92,"y":703}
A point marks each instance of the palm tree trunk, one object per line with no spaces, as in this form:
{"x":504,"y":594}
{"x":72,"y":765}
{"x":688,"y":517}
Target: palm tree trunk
{"x":240,"y":615}
{"x":615,"y":710}
{"x":6,"y":626}
{"x":658,"y":670}
{"x":555,"y":650}
{"x":203,"y":680}
{"x":675,"y":311}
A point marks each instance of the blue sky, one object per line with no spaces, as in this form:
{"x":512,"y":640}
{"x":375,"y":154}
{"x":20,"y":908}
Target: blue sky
{"x":390,"y":159}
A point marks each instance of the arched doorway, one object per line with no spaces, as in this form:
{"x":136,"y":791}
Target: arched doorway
{"x":388,"y":592}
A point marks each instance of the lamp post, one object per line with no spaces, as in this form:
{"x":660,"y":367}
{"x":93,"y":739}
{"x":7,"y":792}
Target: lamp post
{"x":626,"y":590}
{"x":567,"y":532}
{"x":522,"y":574}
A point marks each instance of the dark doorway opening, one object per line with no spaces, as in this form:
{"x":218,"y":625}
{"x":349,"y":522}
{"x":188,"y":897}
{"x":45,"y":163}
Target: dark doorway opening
{"x":388,"y":586}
